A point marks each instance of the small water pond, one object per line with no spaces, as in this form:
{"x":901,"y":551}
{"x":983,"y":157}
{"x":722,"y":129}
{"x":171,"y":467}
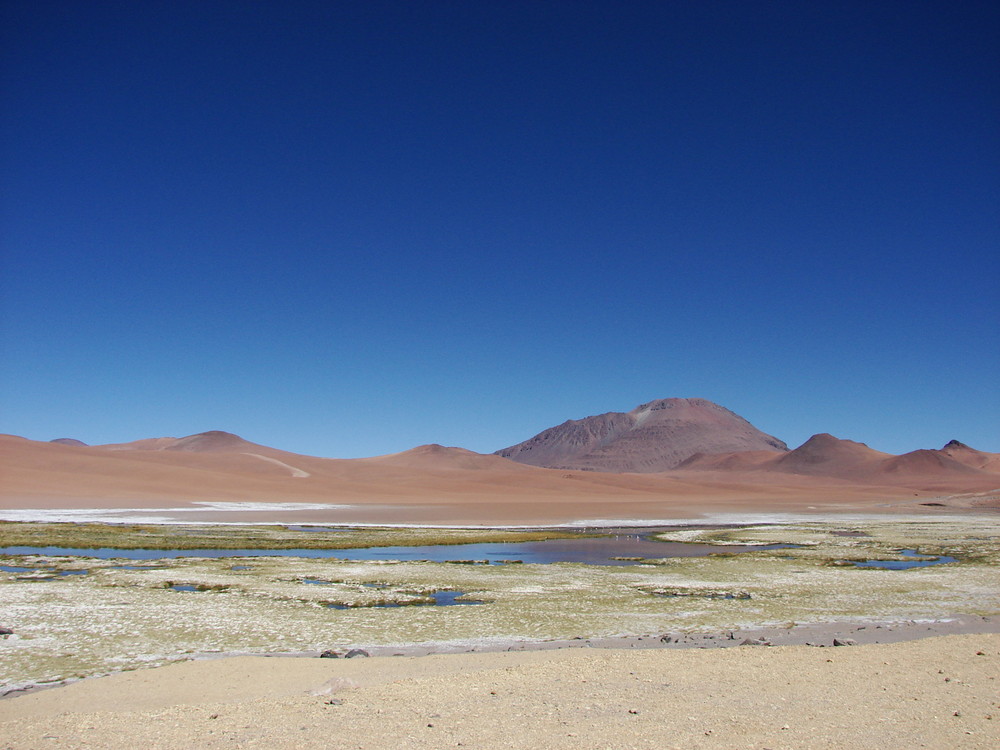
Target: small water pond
{"x":436,"y":599}
{"x":624,"y":548}
{"x":42,"y":573}
{"x":921,"y":561}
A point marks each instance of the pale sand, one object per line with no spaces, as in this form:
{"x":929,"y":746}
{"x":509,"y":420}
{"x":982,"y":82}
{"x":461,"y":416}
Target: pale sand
{"x":938,"y":692}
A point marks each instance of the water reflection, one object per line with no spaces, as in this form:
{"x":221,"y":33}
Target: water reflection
{"x":923,"y":561}
{"x":626,"y":547}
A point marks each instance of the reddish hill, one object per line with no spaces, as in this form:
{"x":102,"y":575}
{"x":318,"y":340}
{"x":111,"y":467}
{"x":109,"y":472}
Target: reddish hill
{"x":653,"y":437}
{"x":434,"y":456}
{"x":925,"y":463}
{"x":435,"y":484}
{"x":971,"y":457}
{"x":214,"y":441}
{"x":739,"y":461}
{"x":831,"y":459}
{"x":826,"y":455}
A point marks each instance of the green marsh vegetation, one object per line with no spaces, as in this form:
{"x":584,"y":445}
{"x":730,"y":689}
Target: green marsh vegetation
{"x":117,"y":617}
{"x":192,"y":536}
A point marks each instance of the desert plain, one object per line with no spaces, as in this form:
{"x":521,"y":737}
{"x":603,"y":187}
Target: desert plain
{"x":839,"y":598}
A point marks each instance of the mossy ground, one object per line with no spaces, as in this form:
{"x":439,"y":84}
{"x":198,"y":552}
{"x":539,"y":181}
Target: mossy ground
{"x":207,"y":536}
{"x":120,"y":618}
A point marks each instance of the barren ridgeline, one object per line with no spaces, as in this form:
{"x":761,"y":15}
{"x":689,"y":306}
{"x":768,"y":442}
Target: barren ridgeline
{"x":666,"y":458}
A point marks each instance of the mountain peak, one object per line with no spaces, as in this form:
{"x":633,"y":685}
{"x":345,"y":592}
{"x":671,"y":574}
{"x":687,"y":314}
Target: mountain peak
{"x":655,"y":436}
{"x":826,"y":454}
{"x":206,"y":442}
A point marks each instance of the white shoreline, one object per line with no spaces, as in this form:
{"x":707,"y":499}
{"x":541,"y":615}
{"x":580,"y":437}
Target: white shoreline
{"x":156,"y":516}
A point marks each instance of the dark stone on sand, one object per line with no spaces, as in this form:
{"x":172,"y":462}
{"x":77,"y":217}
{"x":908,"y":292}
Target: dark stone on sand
{"x":330,"y":654}
{"x":844,"y":642}
{"x":356,"y":652}
{"x":6,"y":631}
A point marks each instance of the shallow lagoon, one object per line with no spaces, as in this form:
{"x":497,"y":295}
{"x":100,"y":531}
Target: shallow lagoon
{"x":626,"y":547}
{"x":921,"y":561}
{"x":122,"y":615}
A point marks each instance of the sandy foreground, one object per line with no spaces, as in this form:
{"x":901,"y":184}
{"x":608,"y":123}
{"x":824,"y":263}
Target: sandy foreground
{"x":930,"y":682}
{"x":939,"y":692}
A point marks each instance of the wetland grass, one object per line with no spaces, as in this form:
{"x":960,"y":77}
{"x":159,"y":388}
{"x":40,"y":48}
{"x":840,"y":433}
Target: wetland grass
{"x":273,"y":537}
{"x":124,"y":616}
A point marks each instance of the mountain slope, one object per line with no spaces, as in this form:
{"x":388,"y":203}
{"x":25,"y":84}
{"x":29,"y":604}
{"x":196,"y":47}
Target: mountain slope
{"x":826,"y":458}
{"x":653,"y":437}
{"x":826,"y":455}
{"x":971,"y":457}
{"x":213,"y":441}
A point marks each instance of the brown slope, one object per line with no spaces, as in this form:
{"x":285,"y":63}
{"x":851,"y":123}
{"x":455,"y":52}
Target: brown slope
{"x":736,"y":461}
{"x":34,"y":473}
{"x":653,"y":437}
{"x":826,"y":455}
{"x":831,"y":460}
{"x":925,"y":463}
{"x":429,"y":484}
{"x":971,"y":457}
{"x":434,"y":456}
{"x":213,"y":441}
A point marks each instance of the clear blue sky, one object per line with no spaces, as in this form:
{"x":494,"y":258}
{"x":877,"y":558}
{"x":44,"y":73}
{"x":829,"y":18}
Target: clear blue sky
{"x":348,"y":228}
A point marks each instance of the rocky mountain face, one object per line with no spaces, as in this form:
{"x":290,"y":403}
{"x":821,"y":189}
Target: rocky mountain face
{"x":653,"y":437}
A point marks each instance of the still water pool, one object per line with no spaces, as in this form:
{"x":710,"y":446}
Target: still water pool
{"x":624,"y":548}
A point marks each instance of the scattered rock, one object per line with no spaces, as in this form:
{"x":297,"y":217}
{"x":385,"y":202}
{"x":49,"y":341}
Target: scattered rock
{"x":356,"y":652}
{"x":330,"y":654}
{"x":6,"y":631}
{"x":754,"y":642}
{"x":844,"y":642}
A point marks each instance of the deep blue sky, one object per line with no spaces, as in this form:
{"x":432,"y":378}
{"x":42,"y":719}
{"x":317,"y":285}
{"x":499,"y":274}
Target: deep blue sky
{"x":348,"y":228}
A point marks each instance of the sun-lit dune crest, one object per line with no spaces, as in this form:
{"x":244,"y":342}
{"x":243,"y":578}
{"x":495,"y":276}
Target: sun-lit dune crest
{"x":655,"y":436}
